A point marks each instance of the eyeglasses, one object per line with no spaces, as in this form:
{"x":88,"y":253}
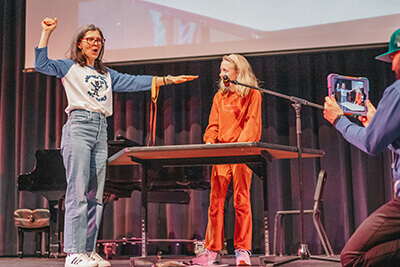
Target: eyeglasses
{"x":92,"y":40}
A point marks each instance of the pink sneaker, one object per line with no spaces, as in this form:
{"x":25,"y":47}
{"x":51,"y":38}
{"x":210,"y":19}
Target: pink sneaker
{"x":242,"y":257}
{"x":206,"y":258}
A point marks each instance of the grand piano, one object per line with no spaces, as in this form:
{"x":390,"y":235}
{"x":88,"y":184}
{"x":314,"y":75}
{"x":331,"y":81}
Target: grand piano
{"x":48,"y":179}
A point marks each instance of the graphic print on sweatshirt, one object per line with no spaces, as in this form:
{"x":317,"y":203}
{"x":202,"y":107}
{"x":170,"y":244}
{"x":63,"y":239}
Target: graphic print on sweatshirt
{"x":97,"y":85}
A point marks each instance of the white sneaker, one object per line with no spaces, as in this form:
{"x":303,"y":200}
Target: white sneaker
{"x":79,"y":260}
{"x":100,"y":261}
{"x":242,"y":257}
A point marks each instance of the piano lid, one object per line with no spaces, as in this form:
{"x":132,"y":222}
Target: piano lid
{"x":48,"y":174}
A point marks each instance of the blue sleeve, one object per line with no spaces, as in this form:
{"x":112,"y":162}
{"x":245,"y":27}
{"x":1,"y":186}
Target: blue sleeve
{"x":51,"y":67}
{"x":383,"y":129}
{"x":130,"y":83}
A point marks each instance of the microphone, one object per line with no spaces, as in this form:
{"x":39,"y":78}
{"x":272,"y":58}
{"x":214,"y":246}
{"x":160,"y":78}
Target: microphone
{"x":226,"y":80}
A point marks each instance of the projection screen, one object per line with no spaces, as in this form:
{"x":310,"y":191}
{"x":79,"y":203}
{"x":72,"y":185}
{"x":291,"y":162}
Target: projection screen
{"x":145,"y":30}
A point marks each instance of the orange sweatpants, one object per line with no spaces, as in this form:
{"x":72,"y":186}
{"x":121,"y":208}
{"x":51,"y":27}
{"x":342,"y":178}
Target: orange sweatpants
{"x":220,"y":179}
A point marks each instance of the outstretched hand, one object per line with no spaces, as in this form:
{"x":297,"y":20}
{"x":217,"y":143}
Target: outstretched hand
{"x":331,"y":109}
{"x":182,"y":78}
{"x":49,"y":24}
{"x":370,"y":113}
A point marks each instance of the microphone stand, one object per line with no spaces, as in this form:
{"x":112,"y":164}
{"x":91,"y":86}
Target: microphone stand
{"x":302,"y":252}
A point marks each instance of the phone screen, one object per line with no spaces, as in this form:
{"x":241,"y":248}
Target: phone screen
{"x":351,"y":93}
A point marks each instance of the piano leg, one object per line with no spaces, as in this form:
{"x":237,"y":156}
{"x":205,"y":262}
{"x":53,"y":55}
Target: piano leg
{"x":20,"y":242}
{"x":55,"y":244}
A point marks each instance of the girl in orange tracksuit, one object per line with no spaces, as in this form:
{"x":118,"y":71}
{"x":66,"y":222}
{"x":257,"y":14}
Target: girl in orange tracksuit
{"x":235,"y":117}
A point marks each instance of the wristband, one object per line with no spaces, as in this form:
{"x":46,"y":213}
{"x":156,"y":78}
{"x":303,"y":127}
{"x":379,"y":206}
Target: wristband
{"x":338,"y":117}
{"x":163,"y":78}
{"x":168,"y":81}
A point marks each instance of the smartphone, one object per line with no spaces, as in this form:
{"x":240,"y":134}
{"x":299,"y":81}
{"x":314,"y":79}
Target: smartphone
{"x":351,"y":93}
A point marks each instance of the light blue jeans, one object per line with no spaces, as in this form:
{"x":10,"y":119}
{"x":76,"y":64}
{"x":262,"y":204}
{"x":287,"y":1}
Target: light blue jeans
{"x":84,"y":150}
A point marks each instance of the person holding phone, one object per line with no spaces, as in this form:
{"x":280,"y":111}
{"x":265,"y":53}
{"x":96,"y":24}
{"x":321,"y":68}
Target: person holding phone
{"x":89,"y":86}
{"x":235,"y":117}
{"x":376,"y":242}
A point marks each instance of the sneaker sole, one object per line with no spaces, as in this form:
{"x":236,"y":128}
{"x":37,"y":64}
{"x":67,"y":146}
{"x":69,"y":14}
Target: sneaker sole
{"x":74,"y":265}
{"x":212,"y":265}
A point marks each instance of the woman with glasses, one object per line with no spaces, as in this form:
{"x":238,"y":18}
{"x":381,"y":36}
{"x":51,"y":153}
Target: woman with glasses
{"x":88,"y":85}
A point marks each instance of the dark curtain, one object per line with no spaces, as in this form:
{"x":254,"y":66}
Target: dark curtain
{"x":32,"y":115}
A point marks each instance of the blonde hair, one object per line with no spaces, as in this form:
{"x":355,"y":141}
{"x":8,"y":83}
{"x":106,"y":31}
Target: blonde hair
{"x":246,"y":75}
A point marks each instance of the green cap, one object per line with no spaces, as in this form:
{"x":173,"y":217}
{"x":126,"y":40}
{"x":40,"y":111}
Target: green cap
{"x":394,"y":46}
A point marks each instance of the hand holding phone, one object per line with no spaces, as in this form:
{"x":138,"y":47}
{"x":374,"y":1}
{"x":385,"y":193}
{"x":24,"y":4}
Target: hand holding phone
{"x":370,"y":113}
{"x":331,"y":109}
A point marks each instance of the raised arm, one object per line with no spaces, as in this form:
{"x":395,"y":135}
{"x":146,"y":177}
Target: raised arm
{"x":48,"y":26}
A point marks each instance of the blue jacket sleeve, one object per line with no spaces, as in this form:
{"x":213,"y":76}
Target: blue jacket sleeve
{"x":51,"y":67}
{"x":122,"y":82}
{"x":382,"y":131}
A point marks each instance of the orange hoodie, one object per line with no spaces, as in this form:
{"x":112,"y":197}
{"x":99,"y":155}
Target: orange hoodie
{"x":234,"y":119}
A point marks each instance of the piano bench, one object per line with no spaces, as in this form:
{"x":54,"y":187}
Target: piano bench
{"x":37,"y":221}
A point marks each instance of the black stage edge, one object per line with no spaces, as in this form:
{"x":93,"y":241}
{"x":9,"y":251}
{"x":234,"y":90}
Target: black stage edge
{"x":228,"y":260}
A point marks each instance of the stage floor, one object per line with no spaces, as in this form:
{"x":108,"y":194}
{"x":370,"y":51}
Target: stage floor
{"x":126,"y":262}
